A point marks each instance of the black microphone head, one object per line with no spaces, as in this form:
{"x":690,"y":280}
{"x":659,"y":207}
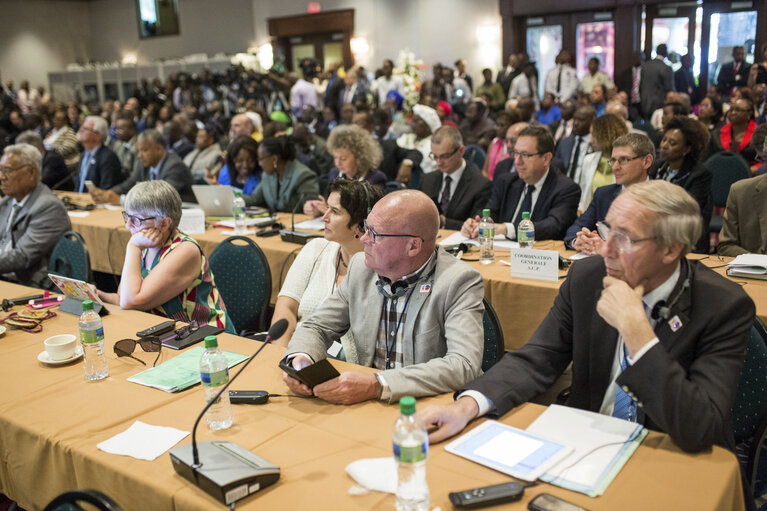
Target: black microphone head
{"x":463,"y":247}
{"x":277,"y":330}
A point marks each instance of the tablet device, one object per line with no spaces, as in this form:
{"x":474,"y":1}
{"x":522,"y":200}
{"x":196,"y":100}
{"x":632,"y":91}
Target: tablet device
{"x":73,"y":288}
{"x":318,"y":372}
{"x":509,"y":450}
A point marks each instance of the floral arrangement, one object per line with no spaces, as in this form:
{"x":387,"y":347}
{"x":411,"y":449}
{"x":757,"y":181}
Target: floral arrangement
{"x":412,"y":72}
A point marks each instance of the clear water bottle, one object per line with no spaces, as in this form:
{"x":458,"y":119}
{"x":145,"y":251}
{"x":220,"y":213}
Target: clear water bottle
{"x":486,"y":235}
{"x":238,"y":212}
{"x":92,"y":339}
{"x":411,"y":447}
{"x":526,"y":231}
{"x":214,"y":372}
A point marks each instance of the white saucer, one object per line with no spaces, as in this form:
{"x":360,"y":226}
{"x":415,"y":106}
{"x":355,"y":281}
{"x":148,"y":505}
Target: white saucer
{"x":45,"y":359}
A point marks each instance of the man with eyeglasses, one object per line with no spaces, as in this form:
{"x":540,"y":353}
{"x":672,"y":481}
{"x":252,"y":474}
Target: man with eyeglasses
{"x":32,"y":219}
{"x":652,"y":337}
{"x":98,"y":163}
{"x":459,"y":190}
{"x":632,"y":157}
{"x":549,"y":196}
{"x":415,"y":312}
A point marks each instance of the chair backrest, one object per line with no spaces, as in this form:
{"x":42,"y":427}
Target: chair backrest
{"x":393,"y":186}
{"x":476,"y":155}
{"x":323,"y":180}
{"x":70,"y":258}
{"x":244,"y":279}
{"x":68,"y":501}
{"x":494,"y":347}
{"x":726,"y":168}
{"x":750,"y":407}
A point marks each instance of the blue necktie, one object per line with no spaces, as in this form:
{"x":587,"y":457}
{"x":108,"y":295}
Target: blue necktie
{"x":625,"y":407}
{"x":84,"y":170}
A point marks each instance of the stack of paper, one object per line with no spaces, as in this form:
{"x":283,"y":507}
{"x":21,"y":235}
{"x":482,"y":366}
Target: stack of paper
{"x":602,"y":445}
{"x":753,"y":266}
{"x":499,"y":241}
{"x":180,"y":372}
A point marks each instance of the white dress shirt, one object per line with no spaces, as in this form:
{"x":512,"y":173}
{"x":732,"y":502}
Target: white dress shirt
{"x":511,"y":231}
{"x":568,"y":83}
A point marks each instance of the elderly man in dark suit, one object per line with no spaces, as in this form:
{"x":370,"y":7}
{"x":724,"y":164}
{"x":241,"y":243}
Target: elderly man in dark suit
{"x":459,"y":190}
{"x":549,"y":196}
{"x":657,"y":80}
{"x":32,"y":218}
{"x":653,"y":338}
{"x":156,"y":163}
{"x":98,"y":163}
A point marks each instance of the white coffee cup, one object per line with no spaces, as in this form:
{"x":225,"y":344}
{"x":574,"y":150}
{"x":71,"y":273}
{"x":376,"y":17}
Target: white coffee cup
{"x":60,"y":347}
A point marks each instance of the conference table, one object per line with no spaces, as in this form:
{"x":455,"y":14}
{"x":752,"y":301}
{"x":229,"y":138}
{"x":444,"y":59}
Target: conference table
{"x":520,"y":303}
{"x":51,"y":420}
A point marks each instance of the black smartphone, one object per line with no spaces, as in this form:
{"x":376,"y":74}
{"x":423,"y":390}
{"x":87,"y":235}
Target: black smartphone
{"x":487,"y":495}
{"x":548,"y":502}
{"x":318,"y":372}
{"x":160,"y":329}
{"x":248,"y":397}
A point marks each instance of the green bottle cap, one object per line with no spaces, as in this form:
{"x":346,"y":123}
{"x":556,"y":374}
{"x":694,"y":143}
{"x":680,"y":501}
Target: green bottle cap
{"x":525,"y":215}
{"x":485,"y":212}
{"x":87,"y":305}
{"x":407,"y":405}
{"x":237,"y":193}
{"x":211,"y":341}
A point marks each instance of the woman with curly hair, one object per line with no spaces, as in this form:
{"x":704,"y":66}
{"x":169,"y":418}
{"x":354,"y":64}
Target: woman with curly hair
{"x":357,"y":155}
{"x":684,"y":141}
{"x":596,"y":170}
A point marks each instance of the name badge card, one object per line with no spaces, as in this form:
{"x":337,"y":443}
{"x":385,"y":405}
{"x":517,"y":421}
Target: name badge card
{"x":530,"y":263}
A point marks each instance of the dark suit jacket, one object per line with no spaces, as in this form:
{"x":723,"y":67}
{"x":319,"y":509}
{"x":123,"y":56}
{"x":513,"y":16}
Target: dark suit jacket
{"x":726,"y":77}
{"x":393,"y":155}
{"x":103,"y":169}
{"x":684,"y":385}
{"x":564,"y":151}
{"x":657,"y":80}
{"x":181,"y":148}
{"x":470,"y":195}
{"x":554,"y":211}
{"x":55,"y":171}
{"x":596,"y":212}
{"x":172,"y":170}
{"x":506,"y":79}
{"x":696,"y":179}
{"x":374,"y":177}
{"x":507,"y":165}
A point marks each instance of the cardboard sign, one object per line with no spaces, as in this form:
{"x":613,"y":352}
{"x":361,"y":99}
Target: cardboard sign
{"x":530,"y":263}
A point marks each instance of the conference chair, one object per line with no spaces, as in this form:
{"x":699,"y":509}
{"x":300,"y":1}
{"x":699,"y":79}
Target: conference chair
{"x":726,"y":167}
{"x":749,"y":411}
{"x":494,"y":347}
{"x":70,"y":258}
{"x":68,"y":501}
{"x":244,"y":279}
{"x":475,"y":155}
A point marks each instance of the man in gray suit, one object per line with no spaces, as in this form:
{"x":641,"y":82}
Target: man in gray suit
{"x":415,"y":311}
{"x":156,"y":163}
{"x":657,"y":80}
{"x":744,"y":228}
{"x":32,"y":218}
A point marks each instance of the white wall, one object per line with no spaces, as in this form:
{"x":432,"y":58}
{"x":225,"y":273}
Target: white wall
{"x":37,"y":36}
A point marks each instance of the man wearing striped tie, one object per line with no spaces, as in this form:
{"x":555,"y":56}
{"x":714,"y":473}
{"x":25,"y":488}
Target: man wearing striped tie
{"x":653,"y":338}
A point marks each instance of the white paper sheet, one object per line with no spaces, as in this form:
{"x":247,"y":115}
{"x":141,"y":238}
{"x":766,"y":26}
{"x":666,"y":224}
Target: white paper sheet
{"x":499,"y":241}
{"x":379,"y":474}
{"x":143,"y":441}
{"x":315,"y":224}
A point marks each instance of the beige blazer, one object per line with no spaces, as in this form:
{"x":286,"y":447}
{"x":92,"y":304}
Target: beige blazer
{"x":744,"y":229}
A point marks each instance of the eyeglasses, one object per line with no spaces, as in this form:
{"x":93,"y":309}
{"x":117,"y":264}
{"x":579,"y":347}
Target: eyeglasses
{"x":622,"y":240}
{"x":134,"y":220}
{"x":623,"y":160}
{"x":184,"y":331}
{"x":524,"y":156}
{"x":86,"y":128}
{"x":6,"y":171}
{"x":374,"y":235}
{"x":150,"y":344}
{"x":444,"y":157}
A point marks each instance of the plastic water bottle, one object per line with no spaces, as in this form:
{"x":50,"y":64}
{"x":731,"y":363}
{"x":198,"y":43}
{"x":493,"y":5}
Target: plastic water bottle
{"x":92,"y":339}
{"x":411,"y":447}
{"x":238,"y":212}
{"x":486,"y":235}
{"x":526,"y":231}
{"x":214,"y":372}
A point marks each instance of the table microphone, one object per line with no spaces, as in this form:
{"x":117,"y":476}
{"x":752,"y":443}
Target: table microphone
{"x":226,"y":470}
{"x":292,"y":236}
{"x":462,"y":249}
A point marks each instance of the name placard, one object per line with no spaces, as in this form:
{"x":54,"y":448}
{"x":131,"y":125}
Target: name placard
{"x":530,"y":263}
{"x":192,"y":221}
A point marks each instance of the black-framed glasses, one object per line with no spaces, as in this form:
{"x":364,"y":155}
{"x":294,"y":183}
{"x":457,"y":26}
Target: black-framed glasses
{"x":150,"y":344}
{"x":623,"y":160}
{"x":7,"y":171}
{"x":623,"y":241}
{"x":444,"y":157}
{"x":524,"y":156}
{"x":135,"y":220}
{"x":375,"y":235}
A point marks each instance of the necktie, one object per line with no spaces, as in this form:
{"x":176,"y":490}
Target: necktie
{"x":626,"y":408}
{"x":635,"y":86}
{"x":559,"y":82}
{"x":84,"y":170}
{"x":574,"y":160}
{"x":527,"y":204}
{"x":445,"y":200}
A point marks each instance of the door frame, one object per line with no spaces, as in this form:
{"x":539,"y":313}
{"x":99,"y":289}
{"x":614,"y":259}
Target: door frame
{"x":282,"y":29}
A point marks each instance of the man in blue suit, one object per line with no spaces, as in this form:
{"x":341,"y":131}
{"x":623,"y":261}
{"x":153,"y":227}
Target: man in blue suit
{"x":98,"y":163}
{"x":631,"y":159}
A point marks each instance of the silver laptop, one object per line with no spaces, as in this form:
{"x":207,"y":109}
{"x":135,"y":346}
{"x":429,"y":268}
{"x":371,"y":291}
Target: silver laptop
{"x":215,"y":200}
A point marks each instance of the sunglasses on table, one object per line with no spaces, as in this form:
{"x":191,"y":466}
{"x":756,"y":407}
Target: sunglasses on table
{"x":150,"y":344}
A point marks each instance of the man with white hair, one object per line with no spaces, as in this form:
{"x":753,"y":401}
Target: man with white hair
{"x":98,"y":163}
{"x":32,"y":219}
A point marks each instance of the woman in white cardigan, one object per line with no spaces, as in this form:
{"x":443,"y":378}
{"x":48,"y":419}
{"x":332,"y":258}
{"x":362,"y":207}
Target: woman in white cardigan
{"x":321,"y":265}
